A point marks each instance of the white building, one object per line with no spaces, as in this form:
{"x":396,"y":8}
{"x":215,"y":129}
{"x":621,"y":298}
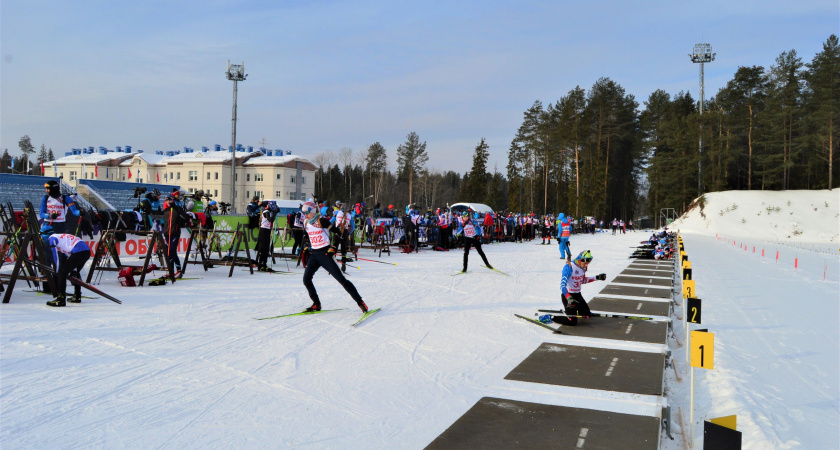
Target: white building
{"x":258,"y":173}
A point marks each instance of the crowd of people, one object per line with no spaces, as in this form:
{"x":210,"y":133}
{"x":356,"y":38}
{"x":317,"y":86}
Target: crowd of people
{"x":325,"y":236}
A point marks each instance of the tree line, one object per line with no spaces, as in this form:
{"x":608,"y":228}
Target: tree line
{"x":25,"y":164}
{"x":595,"y":153}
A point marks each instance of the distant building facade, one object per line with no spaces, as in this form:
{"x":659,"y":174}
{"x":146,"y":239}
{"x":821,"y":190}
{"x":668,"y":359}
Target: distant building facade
{"x":264,"y":173}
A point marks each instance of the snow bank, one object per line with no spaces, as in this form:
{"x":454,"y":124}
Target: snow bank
{"x":803,"y":216}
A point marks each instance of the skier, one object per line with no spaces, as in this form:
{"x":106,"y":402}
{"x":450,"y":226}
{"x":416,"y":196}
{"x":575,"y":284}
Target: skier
{"x":150,"y":205}
{"x":253,"y":213}
{"x":472,"y":238}
{"x":546,"y":229}
{"x":69,"y":254}
{"x":173,"y":218}
{"x":564,"y":229}
{"x":574,"y":276}
{"x":445,"y":231}
{"x":321,"y":255}
{"x":54,"y":207}
{"x":267,"y":217}
{"x":295,"y":220}
{"x":341,"y":222}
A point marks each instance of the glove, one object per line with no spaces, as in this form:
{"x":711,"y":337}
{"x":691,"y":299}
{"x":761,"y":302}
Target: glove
{"x":53,"y":215}
{"x":601,"y":276}
{"x":331,"y":251}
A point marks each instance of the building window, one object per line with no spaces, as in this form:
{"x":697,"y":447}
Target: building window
{"x":247,"y":194}
{"x":247,"y":177}
{"x":217,"y":175}
{"x":258,"y":194}
{"x":208,"y":175}
{"x":72,"y":175}
{"x":215,"y":192}
{"x":278,"y":194}
{"x":302,"y":180}
{"x":171,"y":176}
{"x":123,"y":178}
{"x":258,"y":177}
{"x":193,"y":175}
{"x":292,"y":196}
{"x":278,"y":177}
{"x":292,"y":180}
{"x":177,"y":175}
{"x":236,"y":177}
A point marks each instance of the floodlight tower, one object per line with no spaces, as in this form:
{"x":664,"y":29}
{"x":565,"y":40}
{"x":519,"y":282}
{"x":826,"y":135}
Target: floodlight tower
{"x":702,"y":54}
{"x":235,"y":73}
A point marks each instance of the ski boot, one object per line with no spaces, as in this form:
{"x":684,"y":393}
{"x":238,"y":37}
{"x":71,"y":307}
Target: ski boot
{"x":363,"y":306}
{"x":58,"y":301}
{"x":545,"y":318}
{"x":314,"y":307}
{"x":76,"y":298}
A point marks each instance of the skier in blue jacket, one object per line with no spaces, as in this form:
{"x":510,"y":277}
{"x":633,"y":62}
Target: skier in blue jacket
{"x":54,"y":207}
{"x":574,"y":276}
{"x":564,"y":230}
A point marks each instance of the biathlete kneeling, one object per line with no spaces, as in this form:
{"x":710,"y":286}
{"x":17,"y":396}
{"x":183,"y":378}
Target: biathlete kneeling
{"x":574,"y":276}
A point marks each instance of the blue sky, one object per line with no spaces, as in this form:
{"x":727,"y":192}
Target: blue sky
{"x":330,"y":74}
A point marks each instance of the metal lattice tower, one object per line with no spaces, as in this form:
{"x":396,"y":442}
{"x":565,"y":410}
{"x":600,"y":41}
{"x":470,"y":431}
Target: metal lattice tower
{"x":235,"y":73}
{"x":702,"y":54}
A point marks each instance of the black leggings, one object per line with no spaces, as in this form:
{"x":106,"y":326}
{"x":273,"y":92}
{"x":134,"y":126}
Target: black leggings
{"x":263,"y":246}
{"x":297,"y":234}
{"x":172,"y":251}
{"x":582,"y":308}
{"x":317,"y":259}
{"x":468,"y":242}
{"x":70,"y":265}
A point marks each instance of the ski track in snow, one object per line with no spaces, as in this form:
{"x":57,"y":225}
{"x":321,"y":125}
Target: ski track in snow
{"x":187,"y":366}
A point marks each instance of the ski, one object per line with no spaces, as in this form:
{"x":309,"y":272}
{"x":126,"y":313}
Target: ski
{"x":544,"y":325}
{"x":75,"y":281}
{"x":81,"y":283}
{"x":366,"y":315}
{"x":302,"y":313}
{"x":618,"y":316}
{"x":460,"y":273}
{"x":42,"y":292}
{"x":496,"y":270}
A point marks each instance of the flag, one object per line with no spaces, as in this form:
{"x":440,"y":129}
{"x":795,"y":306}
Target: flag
{"x":84,"y":171}
{"x":55,"y":169}
{"x":96,"y":171}
{"x":42,"y":167}
{"x":129,"y":173}
{"x":158,"y":177}
{"x":106,"y":172}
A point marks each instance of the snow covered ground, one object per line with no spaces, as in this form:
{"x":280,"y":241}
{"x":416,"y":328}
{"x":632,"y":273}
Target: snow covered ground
{"x":187,"y":366}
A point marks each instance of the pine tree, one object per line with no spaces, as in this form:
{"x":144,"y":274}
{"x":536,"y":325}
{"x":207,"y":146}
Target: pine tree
{"x":377,"y":164}
{"x":50,"y":156}
{"x":6,"y":162}
{"x":411,"y":158}
{"x":749,"y":84}
{"x":824,"y":111}
{"x":27,"y":149}
{"x":476,"y":188}
{"x":42,"y":158}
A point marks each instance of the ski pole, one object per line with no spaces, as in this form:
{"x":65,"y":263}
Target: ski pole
{"x":373,"y":260}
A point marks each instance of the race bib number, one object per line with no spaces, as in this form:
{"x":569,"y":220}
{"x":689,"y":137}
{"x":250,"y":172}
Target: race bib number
{"x":469,"y":231}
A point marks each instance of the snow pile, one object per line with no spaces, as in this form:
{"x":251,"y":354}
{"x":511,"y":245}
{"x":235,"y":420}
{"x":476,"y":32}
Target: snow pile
{"x":803,"y":216}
